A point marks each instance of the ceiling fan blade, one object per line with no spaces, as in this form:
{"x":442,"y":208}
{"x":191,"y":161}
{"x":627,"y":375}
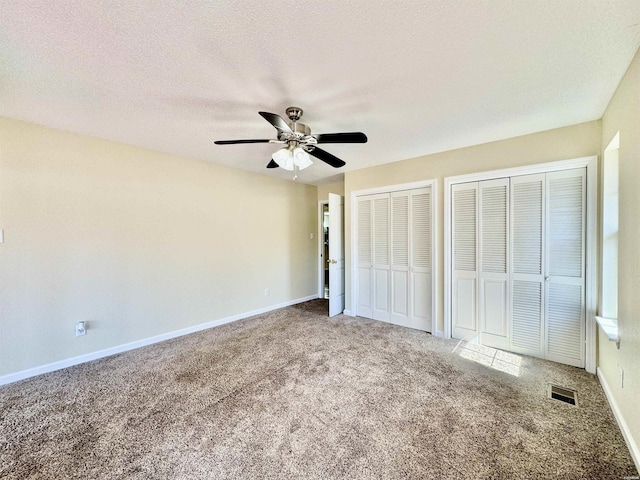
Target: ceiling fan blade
{"x":350,"y":137}
{"x":272,"y":164}
{"x":326,"y":157}
{"x":233,"y":142}
{"x":277,"y":121}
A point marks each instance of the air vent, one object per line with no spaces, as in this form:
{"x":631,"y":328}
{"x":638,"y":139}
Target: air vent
{"x":565,"y":395}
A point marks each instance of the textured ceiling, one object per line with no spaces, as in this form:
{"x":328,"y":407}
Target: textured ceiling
{"x":417,"y":77}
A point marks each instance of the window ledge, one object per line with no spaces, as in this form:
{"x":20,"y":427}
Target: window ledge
{"x":610,"y":327}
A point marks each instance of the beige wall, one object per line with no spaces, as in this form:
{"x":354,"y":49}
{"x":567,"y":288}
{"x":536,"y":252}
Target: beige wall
{"x":623,"y":115}
{"x":553,"y":145}
{"x":325,"y":190}
{"x":137,"y":243}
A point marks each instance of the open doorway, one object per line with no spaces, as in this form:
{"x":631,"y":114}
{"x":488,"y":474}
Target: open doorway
{"x":323,"y":267}
{"x":331,"y":253}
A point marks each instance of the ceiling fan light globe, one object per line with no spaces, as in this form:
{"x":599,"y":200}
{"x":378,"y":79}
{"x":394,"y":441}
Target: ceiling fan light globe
{"x":283,"y":158}
{"x":301,"y":158}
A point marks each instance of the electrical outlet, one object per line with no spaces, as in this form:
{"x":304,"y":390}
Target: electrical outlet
{"x":267,"y":292}
{"x":81,"y":329}
{"x":311,"y":235}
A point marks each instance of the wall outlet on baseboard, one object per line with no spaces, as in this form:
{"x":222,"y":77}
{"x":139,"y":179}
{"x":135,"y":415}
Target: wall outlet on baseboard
{"x":81,"y":329}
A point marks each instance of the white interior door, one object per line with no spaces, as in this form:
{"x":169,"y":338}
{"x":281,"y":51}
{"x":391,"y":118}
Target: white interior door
{"x":336,"y":254}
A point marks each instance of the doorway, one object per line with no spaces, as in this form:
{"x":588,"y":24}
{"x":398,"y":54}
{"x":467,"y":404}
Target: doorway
{"x":323,"y":245}
{"x":331,"y":269}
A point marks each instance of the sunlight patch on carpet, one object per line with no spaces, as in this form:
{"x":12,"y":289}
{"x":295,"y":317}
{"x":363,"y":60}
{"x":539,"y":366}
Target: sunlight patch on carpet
{"x":490,"y":357}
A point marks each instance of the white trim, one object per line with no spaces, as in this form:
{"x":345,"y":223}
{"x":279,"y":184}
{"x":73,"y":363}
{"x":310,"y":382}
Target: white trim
{"x":591,"y":279}
{"x":524,"y":170}
{"x":69,"y":362}
{"x":320,"y":248}
{"x":591,"y":294}
{"x":624,"y":428}
{"x":435,"y":285}
{"x":349,"y":313}
{"x":435,"y":290}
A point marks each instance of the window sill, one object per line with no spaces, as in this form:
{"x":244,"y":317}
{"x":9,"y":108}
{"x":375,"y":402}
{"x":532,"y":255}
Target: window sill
{"x":610,"y":327}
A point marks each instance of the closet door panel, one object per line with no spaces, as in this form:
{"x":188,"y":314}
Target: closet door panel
{"x":381,"y":257}
{"x":565,"y":266}
{"x":400,"y":258}
{"x":420,"y":241}
{"x":527,"y":264}
{"x":464,"y":260}
{"x":493,"y":262}
{"x":364,"y":261}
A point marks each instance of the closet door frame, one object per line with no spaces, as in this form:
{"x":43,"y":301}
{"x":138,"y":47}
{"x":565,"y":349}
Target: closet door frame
{"x":434,"y":236}
{"x":591,"y":164}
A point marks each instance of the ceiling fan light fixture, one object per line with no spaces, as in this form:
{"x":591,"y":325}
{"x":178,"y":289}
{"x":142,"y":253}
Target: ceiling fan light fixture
{"x":288,"y":158}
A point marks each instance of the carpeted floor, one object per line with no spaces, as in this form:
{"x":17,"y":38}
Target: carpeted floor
{"x":295,"y":394}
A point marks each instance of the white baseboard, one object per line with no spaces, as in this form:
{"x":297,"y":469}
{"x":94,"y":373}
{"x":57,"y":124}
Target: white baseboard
{"x":349,"y":313}
{"x":624,"y":428}
{"x":69,"y":362}
{"x":440,"y":333}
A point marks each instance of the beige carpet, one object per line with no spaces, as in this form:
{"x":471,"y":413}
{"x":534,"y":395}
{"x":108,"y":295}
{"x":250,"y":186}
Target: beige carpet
{"x":295,"y":394}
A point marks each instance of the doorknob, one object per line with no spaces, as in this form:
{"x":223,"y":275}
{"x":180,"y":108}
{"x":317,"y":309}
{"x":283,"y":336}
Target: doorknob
{"x":332,"y":261}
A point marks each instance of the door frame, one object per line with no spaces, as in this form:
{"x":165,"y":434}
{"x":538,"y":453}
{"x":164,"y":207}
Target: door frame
{"x":321,"y":259}
{"x":591,"y":238}
{"x":434,"y":236}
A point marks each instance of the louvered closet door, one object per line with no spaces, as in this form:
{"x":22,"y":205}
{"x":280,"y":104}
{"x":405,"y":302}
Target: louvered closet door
{"x":420,"y":269}
{"x":381,"y":257}
{"x":493,"y":228}
{"x":400,"y":258}
{"x":464,"y":260}
{"x":411,"y":258}
{"x":365,"y":257}
{"x":565,"y":267}
{"x":527,"y":254}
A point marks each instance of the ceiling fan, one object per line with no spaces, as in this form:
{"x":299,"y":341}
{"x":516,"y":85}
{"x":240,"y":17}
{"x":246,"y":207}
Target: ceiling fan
{"x":299,"y":143}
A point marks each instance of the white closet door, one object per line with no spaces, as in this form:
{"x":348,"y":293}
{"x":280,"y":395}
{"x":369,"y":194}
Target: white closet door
{"x":394,"y":264}
{"x":527,"y":254}
{"x":420,"y":268}
{"x":565,"y":266}
{"x":365,"y":257}
{"x":493,"y":228}
{"x":381,"y":257}
{"x":399,"y":258}
{"x":464,"y":260}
